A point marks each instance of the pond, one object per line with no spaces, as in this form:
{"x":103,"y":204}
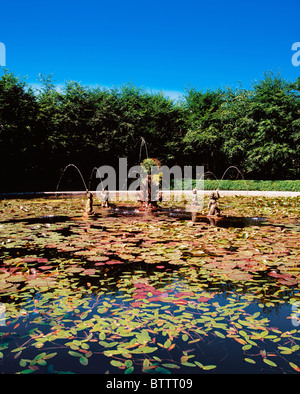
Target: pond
{"x":125,"y":292}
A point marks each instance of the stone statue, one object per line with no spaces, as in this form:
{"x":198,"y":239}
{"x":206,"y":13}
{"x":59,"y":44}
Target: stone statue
{"x":195,"y":198}
{"x":105,"y":202}
{"x":213,"y":204}
{"x":89,"y":205}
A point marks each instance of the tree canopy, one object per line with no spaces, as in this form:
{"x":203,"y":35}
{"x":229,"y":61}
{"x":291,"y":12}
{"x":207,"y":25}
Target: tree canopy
{"x":257,"y":130}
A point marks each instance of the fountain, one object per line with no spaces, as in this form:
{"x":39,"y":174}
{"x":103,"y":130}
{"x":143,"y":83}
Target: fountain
{"x":150,"y":195}
{"x":143,"y":143}
{"x":79,"y":172}
{"x":211,"y":173}
{"x":239,"y":172}
{"x":145,"y":198}
{"x":91,"y":175}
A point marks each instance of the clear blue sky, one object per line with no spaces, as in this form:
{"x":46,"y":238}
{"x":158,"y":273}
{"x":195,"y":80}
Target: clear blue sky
{"x":159,"y":44}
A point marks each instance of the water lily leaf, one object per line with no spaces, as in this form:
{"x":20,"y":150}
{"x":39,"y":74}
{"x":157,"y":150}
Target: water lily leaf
{"x":209,"y":367}
{"x":144,"y":349}
{"x":269,"y":362}
{"x":23,"y":362}
{"x":295,"y":367}
{"x":240,"y":340}
{"x":162,"y":370}
{"x":128,"y":363}
{"x":188,"y":364}
{"x":26,"y":371}
{"x":18,"y":349}
{"x":129,"y":370}
{"x":83,"y":360}
{"x":42,"y":362}
{"x":243,"y":333}
{"x":75,"y":354}
{"x":219,"y":334}
{"x":108,"y":344}
{"x":285,"y":350}
{"x":50,"y":355}
{"x":171,"y":365}
{"x":39,"y":356}
{"x":102,"y":336}
{"x":117,"y":364}
{"x":250,"y":360}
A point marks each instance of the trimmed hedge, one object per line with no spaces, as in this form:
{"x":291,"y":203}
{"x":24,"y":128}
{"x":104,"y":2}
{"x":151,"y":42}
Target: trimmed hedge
{"x":240,"y":184}
{"x":225,"y":184}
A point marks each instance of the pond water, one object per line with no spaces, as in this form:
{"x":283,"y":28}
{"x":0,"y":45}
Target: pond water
{"x":125,"y":292}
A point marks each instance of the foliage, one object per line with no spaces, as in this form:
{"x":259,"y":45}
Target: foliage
{"x":256,"y":130}
{"x":41,"y":132}
{"x":148,"y":164}
{"x":229,"y":184}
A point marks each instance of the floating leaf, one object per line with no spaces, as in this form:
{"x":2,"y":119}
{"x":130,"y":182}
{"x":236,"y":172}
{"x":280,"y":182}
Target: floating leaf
{"x":102,"y":336}
{"x":162,"y":370}
{"x":219,"y":334}
{"x":295,"y":367}
{"x":42,"y":362}
{"x":209,"y":367}
{"x":129,"y":370}
{"x":116,"y":363}
{"x":167,"y":344}
{"x":18,"y":349}
{"x":213,"y":278}
{"x":249,"y":360}
{"x":269,"y":362}
{"x":75,"y":354}
{"x":170,"y":365}
{"x":26,"y":371}
{"x":23,"y":363}
{"x":146,"y":364}
{"x":83,"y":360}
{"x":188,"y":364}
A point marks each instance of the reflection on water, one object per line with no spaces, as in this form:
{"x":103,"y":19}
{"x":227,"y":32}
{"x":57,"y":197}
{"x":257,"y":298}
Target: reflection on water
{"x":169,"y":292}
{"x":105,"y":317}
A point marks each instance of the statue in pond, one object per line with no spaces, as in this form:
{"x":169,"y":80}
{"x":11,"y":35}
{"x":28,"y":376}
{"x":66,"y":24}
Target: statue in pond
{"x":195,"y":197}
{"x":149,"y":181}
{"x":89,"y":205}
{"x":105,"y":202}
{"x":213,"y":204}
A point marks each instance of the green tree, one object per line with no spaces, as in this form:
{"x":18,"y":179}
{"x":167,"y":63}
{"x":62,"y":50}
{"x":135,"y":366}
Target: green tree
{"x":274,"y":109}
{"x":19,"y":136}
{"x":204,"y":139}
{"x":256,"y":130}
{"x":261,"y":129}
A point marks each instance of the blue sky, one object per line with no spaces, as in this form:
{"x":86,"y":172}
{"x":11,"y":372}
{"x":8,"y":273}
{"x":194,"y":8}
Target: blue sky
{"x":159,"y":45}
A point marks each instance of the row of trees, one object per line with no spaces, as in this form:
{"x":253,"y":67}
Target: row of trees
{"x":257,"y":130}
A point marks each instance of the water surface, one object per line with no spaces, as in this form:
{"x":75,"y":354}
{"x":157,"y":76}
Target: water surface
{"x":124,"y":292}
